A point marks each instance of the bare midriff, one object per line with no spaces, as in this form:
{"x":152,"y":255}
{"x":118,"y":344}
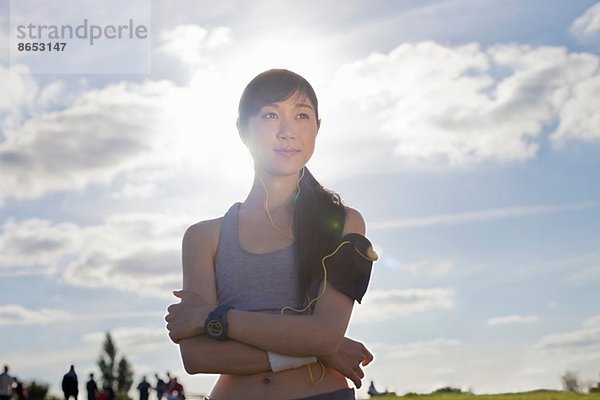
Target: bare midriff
{"x":290,"y":384}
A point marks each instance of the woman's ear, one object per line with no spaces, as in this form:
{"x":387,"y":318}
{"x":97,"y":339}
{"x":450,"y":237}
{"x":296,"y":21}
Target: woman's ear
{"x":318,"y":124}
{"x":240,"y":132}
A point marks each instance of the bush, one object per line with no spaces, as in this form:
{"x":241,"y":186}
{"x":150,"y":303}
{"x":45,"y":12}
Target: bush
{"x":447,"y":389}
{"x":37,"y":390}
{"x":122,"y":396}
{"x":570,"y":382}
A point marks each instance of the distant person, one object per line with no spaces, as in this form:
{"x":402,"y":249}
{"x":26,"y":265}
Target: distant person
{"x":107,"y":392}
{"x":5,"y":385}
{"x":175,"y":390}
{"x":19,"y":389}
{"x":161,"y":387}
{"x":372,"y":391}
{"x":92,"y":388}
{"x":144,"y":388}
{"x":70,"y":384}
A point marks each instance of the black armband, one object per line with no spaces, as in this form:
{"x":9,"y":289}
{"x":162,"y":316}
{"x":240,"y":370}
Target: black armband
{"x":349,"y":269}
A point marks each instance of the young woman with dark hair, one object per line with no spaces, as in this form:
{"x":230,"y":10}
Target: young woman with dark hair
{"x":268,"y":288}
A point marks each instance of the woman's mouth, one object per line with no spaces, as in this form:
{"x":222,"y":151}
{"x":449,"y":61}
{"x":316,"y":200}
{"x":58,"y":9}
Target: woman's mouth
{"x":287,"y":152}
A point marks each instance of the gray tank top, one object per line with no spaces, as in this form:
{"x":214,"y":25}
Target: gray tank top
{"x":254,"y":282}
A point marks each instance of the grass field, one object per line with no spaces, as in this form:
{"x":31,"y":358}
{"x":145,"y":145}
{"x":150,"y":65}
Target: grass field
{"x":534,"y":395}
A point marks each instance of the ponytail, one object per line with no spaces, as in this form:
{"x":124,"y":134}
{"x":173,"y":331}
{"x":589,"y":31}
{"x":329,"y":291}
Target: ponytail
{"x":318,"y":223}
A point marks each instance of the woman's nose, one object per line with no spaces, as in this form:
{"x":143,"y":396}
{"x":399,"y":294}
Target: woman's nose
{"x":286,"y":129}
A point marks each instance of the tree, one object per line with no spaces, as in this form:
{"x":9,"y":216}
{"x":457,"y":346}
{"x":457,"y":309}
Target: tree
{"x":112,"y":372}
{"x":570,"y":382}
{"x":124,"y":376}
{"x":106,"y":361}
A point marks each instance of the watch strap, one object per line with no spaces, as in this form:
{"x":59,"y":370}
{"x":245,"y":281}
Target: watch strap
{"x":216,"y":323}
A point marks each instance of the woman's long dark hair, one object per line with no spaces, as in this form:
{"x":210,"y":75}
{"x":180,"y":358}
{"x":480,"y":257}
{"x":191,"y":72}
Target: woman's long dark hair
{"x":319,"y":213}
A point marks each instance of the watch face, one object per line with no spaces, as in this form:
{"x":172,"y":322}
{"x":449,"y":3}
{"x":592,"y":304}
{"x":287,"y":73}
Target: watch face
{"x":215,"y":327}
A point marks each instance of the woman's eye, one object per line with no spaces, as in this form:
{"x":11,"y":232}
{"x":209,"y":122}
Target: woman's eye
{"x":270,"y":115}
{"x":303,"y":116}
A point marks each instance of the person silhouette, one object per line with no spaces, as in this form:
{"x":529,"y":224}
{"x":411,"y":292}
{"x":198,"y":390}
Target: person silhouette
{"x":372,"y":391}
{"x":5,"y":385}
{"x":107,"y":392}
{"x":92,"y":388}
{"x":161,"y":387}
{"x":144,"y":388}
{"x":175,"y":391}
{"x":70,"y":384}
{"x":18,"y":388}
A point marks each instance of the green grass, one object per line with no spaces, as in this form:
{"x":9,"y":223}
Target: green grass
{"x":534,"y":395}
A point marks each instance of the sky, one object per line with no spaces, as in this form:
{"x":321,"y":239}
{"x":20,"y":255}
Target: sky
{"x":467,"y":132}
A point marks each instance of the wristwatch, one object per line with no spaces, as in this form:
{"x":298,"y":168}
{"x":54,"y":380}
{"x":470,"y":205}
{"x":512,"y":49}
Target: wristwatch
{"x":215,"y":325}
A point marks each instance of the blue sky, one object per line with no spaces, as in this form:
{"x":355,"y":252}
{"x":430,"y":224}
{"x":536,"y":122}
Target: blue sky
{"x":466,"y":132}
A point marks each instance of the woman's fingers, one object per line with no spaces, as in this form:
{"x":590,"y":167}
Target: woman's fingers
{"x":367,"y":357}
{"x":358,"y":375}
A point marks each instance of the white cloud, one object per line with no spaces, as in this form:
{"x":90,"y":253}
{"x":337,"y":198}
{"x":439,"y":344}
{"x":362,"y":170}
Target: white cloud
{"x":142,"y":133}
{"x":36,"y":242}
{"x":133,"y":253}
{"x":137,"y":253}
{"x":421,"y":103}
{"x":219,"y":36}
{"x":442,"y":371}
{"x":4,"y":40}
{"x":14,"y":314}
{"x":16,"y":86}
{"x":579,"y":116}
{"x":531,"y":371}
{"x":190,"y":43}
{"x":420,"y":348}
{"x":382,"y":305}
{"x":583,"y":342}
{"x":587,"y":276}
{"x":513,"y":319}
{"x":592,"y":322}
{"x":480,"y":216}
{"x":426,"y":104}
{"x":588,"y":24}
{"x":429,"y":267}
{"x":104,"y":133}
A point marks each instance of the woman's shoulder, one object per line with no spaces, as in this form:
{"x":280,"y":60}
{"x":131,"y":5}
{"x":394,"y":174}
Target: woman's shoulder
{"x":354,"y":222}
{"x":203,"y":232}
{"x":207,"y":232}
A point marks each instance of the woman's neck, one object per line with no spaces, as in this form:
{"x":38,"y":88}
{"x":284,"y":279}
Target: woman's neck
{"x":281,"y":191}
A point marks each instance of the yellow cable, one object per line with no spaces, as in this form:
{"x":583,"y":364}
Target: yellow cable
{"x":312,"y":378}
{"x":290,"y":236}
{"x":284,"y":309}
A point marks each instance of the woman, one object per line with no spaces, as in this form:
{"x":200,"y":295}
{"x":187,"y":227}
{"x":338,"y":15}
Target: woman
{"x":268,"y":289}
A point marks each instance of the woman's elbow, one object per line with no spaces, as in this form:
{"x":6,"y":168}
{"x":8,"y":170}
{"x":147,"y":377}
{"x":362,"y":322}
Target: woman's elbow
{"x":192,"y":364}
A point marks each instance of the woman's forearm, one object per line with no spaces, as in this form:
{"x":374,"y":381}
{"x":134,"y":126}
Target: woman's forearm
{"x":319,"y":334}
{"x":292,"y":335}
{"x":202,"y":355}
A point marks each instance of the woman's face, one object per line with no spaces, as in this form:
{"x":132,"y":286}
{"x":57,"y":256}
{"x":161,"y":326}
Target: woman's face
{"x":281,"y":137}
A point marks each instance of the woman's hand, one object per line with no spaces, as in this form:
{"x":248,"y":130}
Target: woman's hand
{"x":186,"y":318}
{"x":349,"y":359}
